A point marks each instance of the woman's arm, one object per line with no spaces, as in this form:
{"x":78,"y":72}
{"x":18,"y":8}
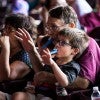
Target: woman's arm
{"x":4,"y":58}
{"x":23,"y":36}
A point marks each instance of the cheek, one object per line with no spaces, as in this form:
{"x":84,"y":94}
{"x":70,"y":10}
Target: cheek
{"x":61,"y":52}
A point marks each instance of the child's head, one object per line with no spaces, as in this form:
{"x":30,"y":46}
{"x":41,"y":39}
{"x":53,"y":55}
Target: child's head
{"x":66,"y":13}
{"x":19,"y":21}
{"x":60,"y":17}
{"x":76,"y":38}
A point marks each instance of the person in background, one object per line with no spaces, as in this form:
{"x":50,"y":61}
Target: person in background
{"x":78,"y":6}
{"x":20,"y":6}
{"x":91,"y":20}
{"x":3,"y":12}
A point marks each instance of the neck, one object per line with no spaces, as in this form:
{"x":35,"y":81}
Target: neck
{"x":62,"y":61}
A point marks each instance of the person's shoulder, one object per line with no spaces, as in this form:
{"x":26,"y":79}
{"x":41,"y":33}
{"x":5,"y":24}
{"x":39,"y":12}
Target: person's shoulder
{"x":75,"y":63}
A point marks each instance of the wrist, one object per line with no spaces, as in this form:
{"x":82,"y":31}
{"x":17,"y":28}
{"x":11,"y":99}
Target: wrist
{"x":52,"y":62}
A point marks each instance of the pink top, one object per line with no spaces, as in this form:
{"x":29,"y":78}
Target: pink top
{"x":90,"y":62}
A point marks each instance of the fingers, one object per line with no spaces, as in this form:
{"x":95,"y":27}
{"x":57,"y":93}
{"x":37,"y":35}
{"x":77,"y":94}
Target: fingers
{"x":20,"y":39}
{"x":21,"y":34}
{"x":26,"y":33}
{"x":21,"y":31}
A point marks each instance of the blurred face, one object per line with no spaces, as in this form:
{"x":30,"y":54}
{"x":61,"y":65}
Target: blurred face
{"x":53,"y":26}
{"x":10,"y":31}
{"x":64,"y":48}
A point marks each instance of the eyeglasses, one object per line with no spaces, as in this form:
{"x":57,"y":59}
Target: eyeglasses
{"x":61,"y":43}
{"x":52,"y":27}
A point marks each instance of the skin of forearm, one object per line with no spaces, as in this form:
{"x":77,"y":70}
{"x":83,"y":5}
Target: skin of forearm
{"x":4,"y":64}
{"x":35,"y":60}
{"x":60,"y":76}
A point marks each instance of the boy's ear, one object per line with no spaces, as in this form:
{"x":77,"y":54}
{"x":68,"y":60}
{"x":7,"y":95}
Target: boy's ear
{"x":75,"y":51}
{"x":72,"y":25}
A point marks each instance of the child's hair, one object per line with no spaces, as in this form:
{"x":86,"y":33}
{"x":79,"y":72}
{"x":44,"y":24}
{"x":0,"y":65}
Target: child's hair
{"x":66,"y":13}
{"x":20,"y":21}
{"x":77,"y":38}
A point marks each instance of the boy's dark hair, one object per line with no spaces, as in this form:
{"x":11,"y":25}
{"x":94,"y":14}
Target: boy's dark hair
{"x":66,"y":13}
{"x":19,"y":21}
{"x":58,"y":13}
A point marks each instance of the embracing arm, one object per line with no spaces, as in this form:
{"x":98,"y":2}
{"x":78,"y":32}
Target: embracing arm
{"x":79,"y":83}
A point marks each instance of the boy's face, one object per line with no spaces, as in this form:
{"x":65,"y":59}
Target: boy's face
{"x":53,"y":26}
{"x":64,"y":48}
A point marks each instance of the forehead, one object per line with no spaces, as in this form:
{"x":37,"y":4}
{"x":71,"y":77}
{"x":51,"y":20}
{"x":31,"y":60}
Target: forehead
{"x":63,"y":38}
{"x":54,"y":21}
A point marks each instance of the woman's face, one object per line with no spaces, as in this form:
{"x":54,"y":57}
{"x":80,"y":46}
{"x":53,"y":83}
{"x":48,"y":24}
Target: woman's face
{"x":10,"y":31}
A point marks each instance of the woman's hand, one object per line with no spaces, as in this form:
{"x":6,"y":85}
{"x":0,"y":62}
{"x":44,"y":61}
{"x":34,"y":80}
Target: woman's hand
{"x":24,"y":37}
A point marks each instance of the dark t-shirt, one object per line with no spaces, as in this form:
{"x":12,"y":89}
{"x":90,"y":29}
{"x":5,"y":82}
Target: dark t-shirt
{"x":71,"y":70}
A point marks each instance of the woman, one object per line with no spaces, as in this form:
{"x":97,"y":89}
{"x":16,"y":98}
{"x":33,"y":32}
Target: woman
{"x":14,"y":61}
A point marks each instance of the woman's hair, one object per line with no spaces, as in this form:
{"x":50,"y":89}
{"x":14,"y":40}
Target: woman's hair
{"x":66,"y":13}
{"x":77,"y":38}
{"x":19,"y":21}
